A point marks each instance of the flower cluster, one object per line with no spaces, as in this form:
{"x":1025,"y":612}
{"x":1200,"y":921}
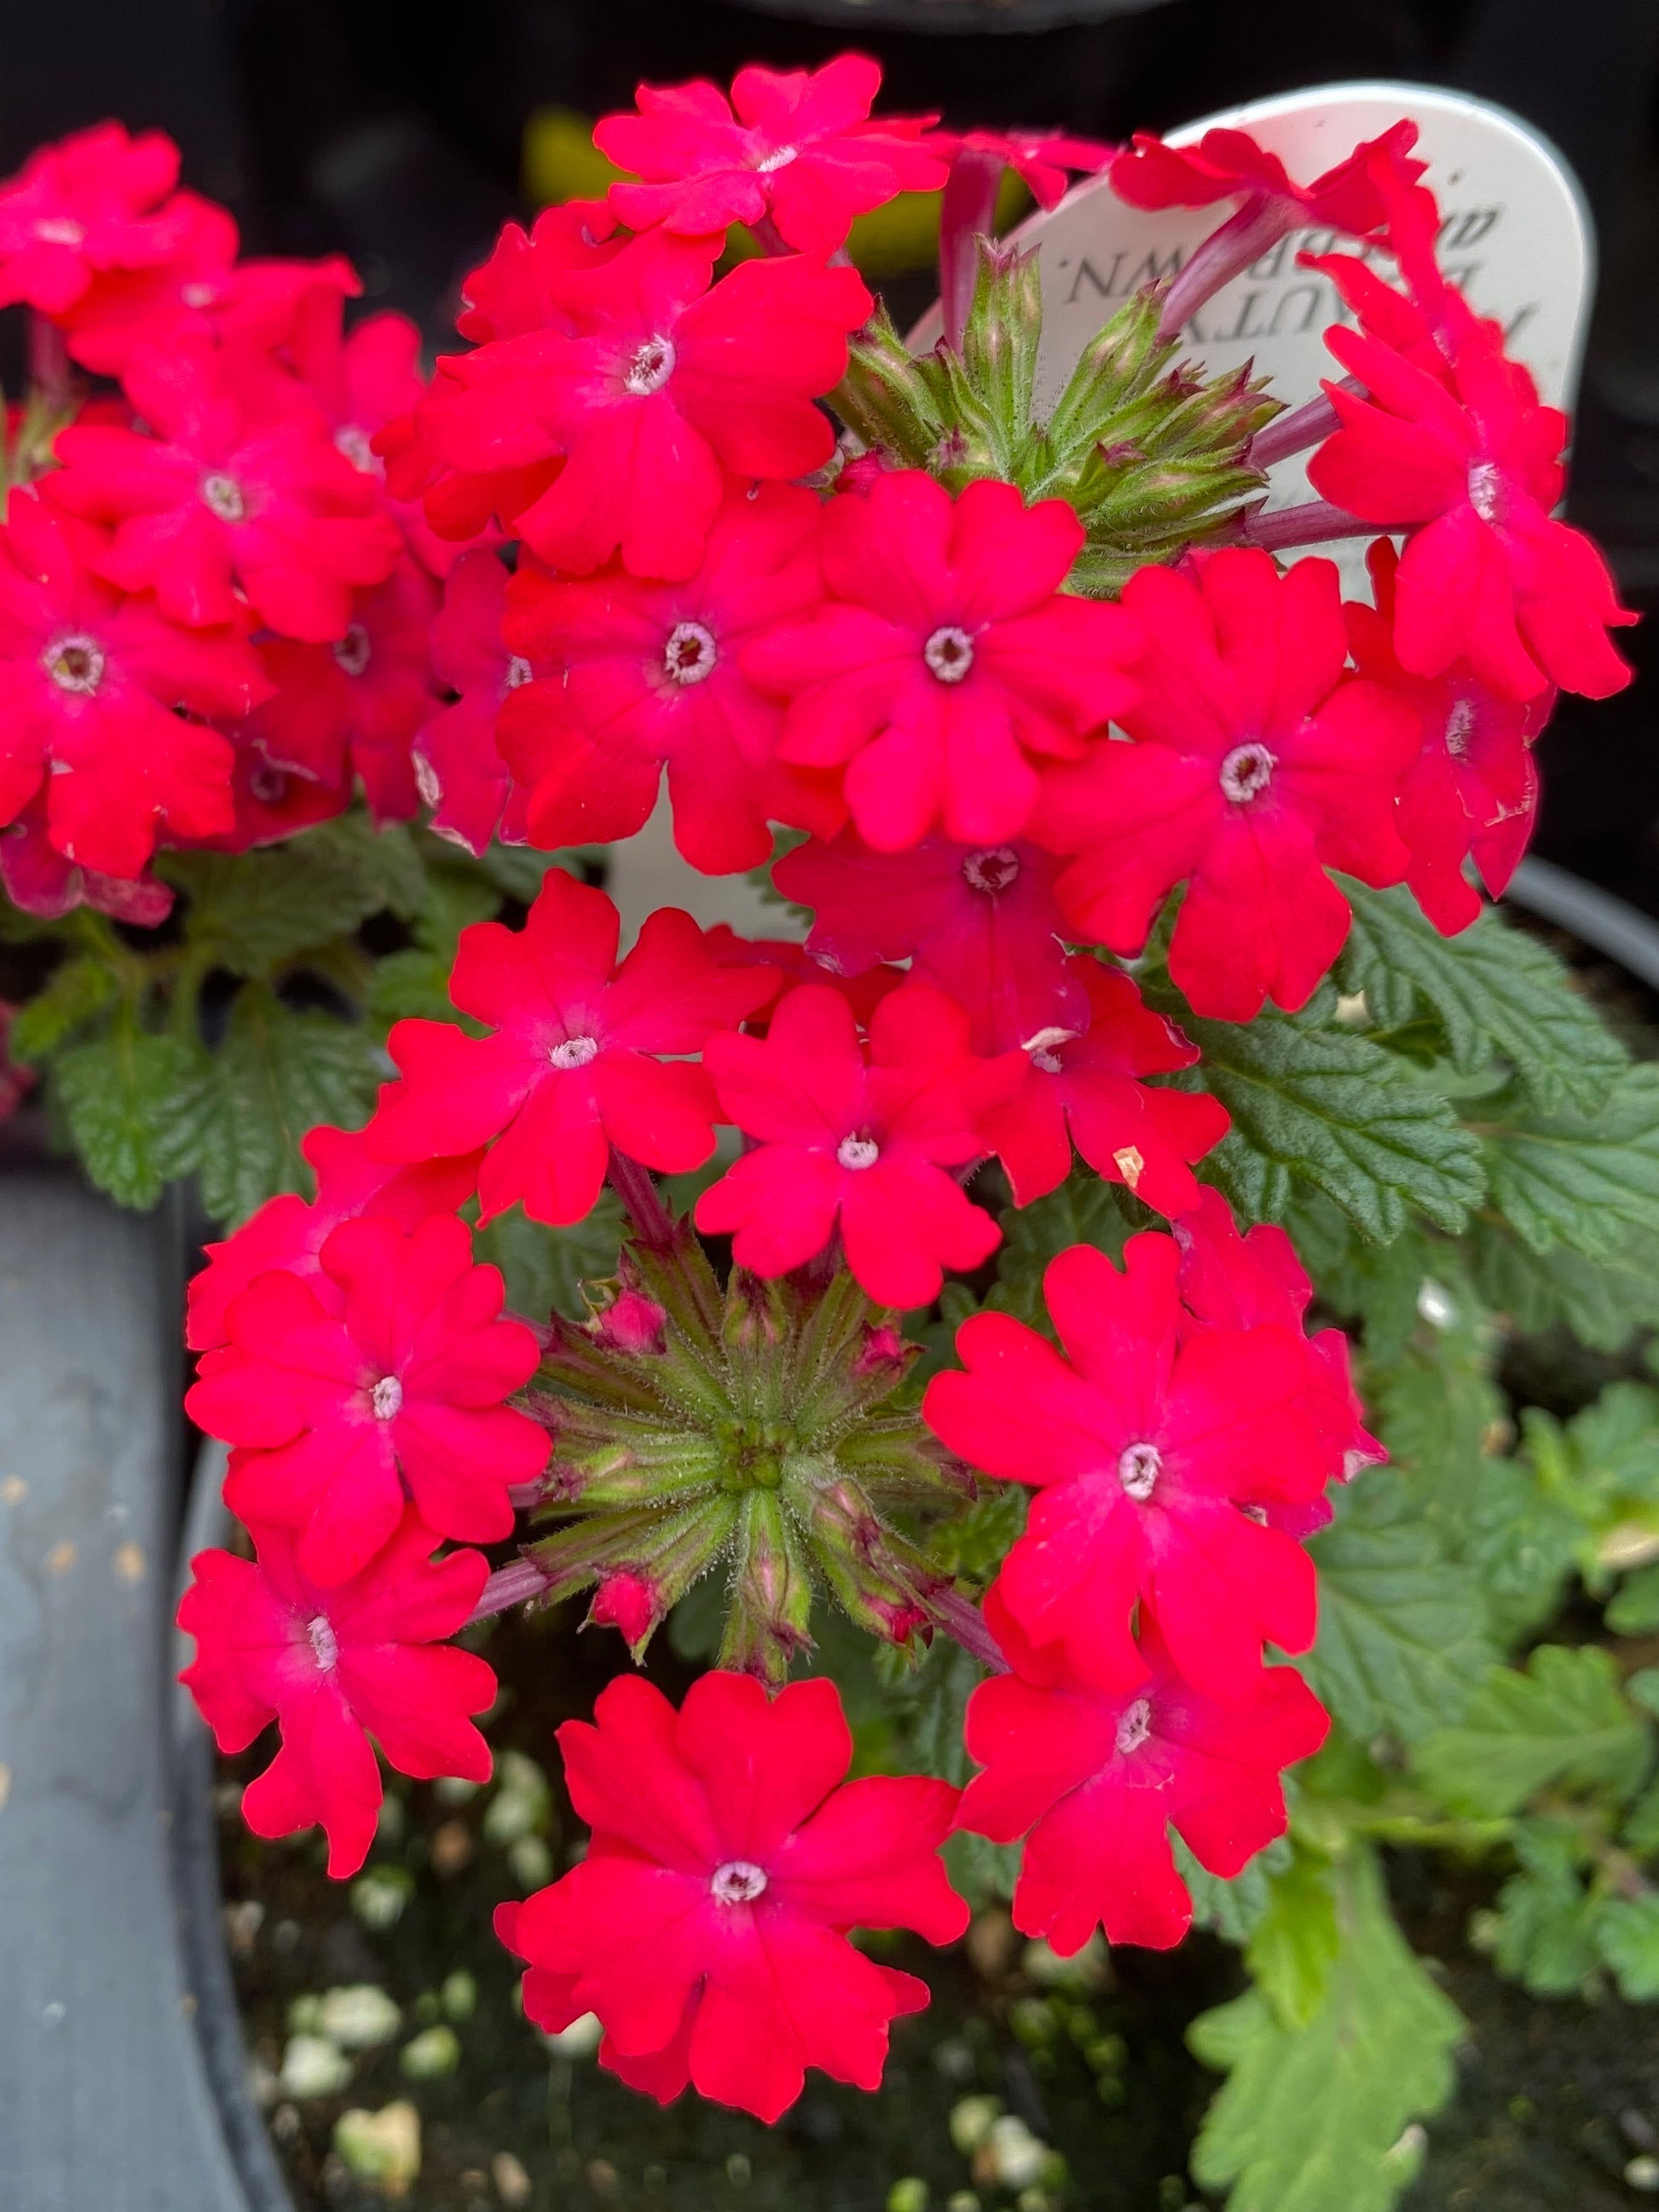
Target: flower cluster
{"x":217,"y":624}
{"x":1000,"y":778}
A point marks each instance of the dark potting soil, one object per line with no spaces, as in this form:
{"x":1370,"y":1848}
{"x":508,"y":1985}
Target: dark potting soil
{"x":1554,"y":2098}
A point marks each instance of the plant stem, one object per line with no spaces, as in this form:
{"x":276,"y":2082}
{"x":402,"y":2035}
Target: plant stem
{"x":961,"y":1619}
{"x":515,"y":1584}
{"x":1243,"y":238}
{"x":653,"y":1223}
{"x":967,"y":212}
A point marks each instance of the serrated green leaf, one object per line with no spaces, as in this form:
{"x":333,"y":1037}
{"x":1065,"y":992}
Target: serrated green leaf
{"x":1583,"y":1180}
{"x":1231,"y":1908}
{"x":1084,"y":1210}
{"x":1627,"y":1936}
{"x":1561,"y":1721}
{"x":1316,"y":1105}
{"x":1314,"y":2119}
{"x":74,"y":993}
{"x":1401,"y":1639}
{"x":1635,"y":1607}
{"x":1496,"y":990}
{"x":1294,"y":1944}
{"x":250,"y":912}
{"x":116,"y":1094}
{"x":1602,"y":1302}
{"x":1521,"y":1546}
{"x":237,"y":1118}
{"x":545,"y":1269}
{"x":1545,"y":1927}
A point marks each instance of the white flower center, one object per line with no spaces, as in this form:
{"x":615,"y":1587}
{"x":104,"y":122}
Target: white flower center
{"x":353,"y":650}
{"x":202,"y":296}
{"x":739,"y":1881}
{"x":1044,"y":1048}
{"x":324,"y":1646}
{"x":354,"y":444}
{"x":650,"y":369}
{"x":75,"y":664}
{"x":1460,"y":725}
{"x":992,"y":871}
{"x":1247,"y":771}
{"x":690,"y":653}
{"x":519,"y":673}
{"x":1134,"y":1726}
{"x":857,"y":1153}
{"x":222,"y":495}
{"x":268,"y":785}
{"x":387,"y":1398}
{"x":574,"y":1052}
{"x":781,"y":159}
{"x":1486,"y":487}
{"x":949,"y":653}
{"x":1139,"y":1469}
{"x":59,"y":230}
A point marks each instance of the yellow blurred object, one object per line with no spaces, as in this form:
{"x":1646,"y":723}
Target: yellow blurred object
{"x":561,"y":162}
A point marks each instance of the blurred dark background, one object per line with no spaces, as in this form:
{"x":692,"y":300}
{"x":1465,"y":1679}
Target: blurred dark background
{"x":395,"y":131}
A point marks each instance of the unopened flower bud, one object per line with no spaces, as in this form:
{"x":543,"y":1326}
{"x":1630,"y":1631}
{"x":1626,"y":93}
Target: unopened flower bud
{"x":632,"y":1323}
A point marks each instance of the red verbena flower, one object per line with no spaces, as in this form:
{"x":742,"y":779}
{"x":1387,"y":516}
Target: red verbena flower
{"x":289,"y":1232}
{"x":1099,"y":1775}
{"x":97,"y":200}
{"x":569,"y":1071}
{"x":202,"y":292}
{"x":517,"y":290}
{"x":39,"y":880}
{"x":1235,"y":1280}
{"x":458,"y":763}
{"x":1145,"y":1442}
{"x":1473,"y":789}
{"x":1080,"y":1088}
{"x":89,"y":681}
{"x":796,"y":147}
{"x":1490,"y":577}
{"x":271,"y":803}
{"x":1042,"y":159}
{"x":336,"y":1414}
{"x":946,"y":661}
{"x":352,"y":706}
{"x":1258,"y":764}
{"x":982,"y":922}
{"x":707,"y":1926}
{"x":864,"y":1147}
{"x":657,"y":387}
{"x":1226,"y":164}
{"x":635,"y":675}
{"x":333,"y":1666}
{"x":216,"y":499}
{"x":790,"y":964}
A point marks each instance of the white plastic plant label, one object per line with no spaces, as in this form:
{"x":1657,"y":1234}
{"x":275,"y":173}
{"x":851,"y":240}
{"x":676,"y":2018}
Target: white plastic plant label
{"x":1515,"y":235}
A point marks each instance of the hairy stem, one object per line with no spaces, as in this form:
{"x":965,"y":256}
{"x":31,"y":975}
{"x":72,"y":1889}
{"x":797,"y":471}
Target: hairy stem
{"x":967,"y":212}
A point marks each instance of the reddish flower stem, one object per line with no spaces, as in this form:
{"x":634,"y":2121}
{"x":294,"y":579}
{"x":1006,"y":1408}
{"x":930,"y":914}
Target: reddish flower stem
{"x":962,"y":1620}
{"x":1243,"y":238}
{"x":967,"y":212}
{"x":513,"y":1584}
{"x":653,"y":1223}
{"x":49,"y":363}
{"x":1316,"y":523}
{"x":1305,"y":426}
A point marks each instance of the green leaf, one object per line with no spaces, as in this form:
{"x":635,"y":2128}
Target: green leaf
{"x":517,"y":871}
{"x":1521,"y":1546}
{"x":236,"y":1121}
{"x":116,"y":1096}
{"x":1496,"y":990}
{"x":250,"y":912}
{"x":1084,"y":1210}
{"x":545,"y":1269}
{"x":1627,"y":1935}
{"x":1640,"y":1833}
{"x":1231,"y":1908}
{"x":415,"y":982}
{"x":1544,"y":1927}
{"x":1602,"y":1302}
{"x":74,"y":993}
{"x":1562,"y":1720}
{"x":1320,"y":1106}
{"x":1294,"y":1945}
{"x":1581,"y":1179}
{"x":1400,"y":1625}
{"x":1635,"y":1608}
{"x":1314,"y":2119}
